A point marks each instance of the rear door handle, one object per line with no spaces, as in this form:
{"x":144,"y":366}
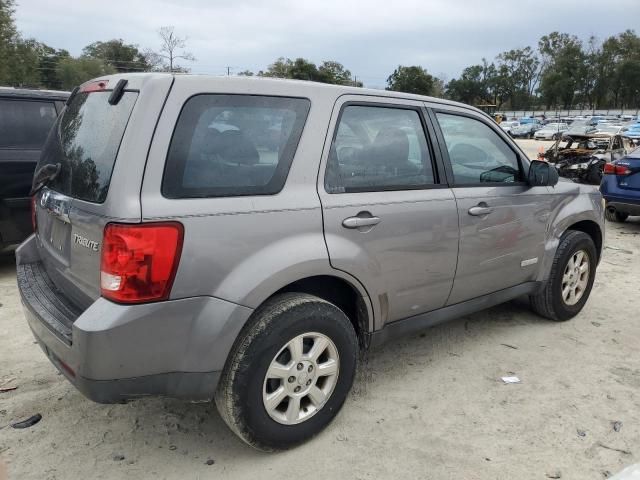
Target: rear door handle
{"x":357,"y":222}
{"x":480,"y":209}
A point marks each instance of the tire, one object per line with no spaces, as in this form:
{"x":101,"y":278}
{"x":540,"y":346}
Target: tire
{"x":615,"y":216}
{"x":549,"y":303}
{"x":554,"y":137}
{"x":594,"y":175}
{"x":530,"y":136}
{"x":263,"y":343}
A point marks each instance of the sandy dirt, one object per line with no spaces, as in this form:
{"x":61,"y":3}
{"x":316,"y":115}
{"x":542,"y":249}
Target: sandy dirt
{"x":429,"y":406}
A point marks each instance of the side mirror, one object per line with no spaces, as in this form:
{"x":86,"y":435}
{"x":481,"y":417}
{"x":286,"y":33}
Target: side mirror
{"x":542,"y":174}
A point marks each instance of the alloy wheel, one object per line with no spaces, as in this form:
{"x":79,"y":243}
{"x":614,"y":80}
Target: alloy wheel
{"x":576,"y":277}
{"x":301,"y":378}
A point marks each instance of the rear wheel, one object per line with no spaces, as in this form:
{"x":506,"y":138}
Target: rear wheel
{"x":289,"y":372}
{"x":615,"y":216}
{"x":571,"y":278}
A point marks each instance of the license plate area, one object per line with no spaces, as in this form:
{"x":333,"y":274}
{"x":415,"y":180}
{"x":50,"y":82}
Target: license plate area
{"x":54,"y":226}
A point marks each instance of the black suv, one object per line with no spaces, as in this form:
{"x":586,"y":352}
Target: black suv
{"x":26,"y":116}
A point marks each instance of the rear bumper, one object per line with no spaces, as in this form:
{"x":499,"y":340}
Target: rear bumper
{"x":632,"y":209}
{"x":113,"y":353}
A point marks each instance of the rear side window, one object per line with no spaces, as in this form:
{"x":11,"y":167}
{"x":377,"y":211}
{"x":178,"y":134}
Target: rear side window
{"x":230,"y":145}
{"x":85,"y":142}
{"x":24,"y":123}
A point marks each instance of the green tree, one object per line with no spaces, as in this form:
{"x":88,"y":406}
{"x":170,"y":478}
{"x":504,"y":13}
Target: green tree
{"x":412,"y":79}
{"x":124,"y":57}
{"x":565,"y":66}
{"x":8,"y":39}
{"x":72,"y":72}
{"x":329,"y":71}
{"x":475,"y":85}
{"x":334,"y":72}
{"x":519,"y":72}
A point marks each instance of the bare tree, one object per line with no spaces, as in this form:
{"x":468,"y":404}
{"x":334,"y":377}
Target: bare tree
{"x":172,"y":48}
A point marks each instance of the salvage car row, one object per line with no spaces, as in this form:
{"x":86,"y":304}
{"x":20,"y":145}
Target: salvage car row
{"x":552,"y":129}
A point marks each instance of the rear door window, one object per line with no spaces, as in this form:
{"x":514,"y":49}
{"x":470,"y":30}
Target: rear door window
{"x":377,"y":149}
{"x":231,"y":145}
{"x":85,"y":142}
{"x":25,"y":123}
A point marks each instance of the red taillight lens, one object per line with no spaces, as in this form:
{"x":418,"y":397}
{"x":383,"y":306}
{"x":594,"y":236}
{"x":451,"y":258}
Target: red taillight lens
{"x":96,"y":86}
{"x":613,"y":169}
{"x":34,"y":218}
{"x":139,"y":261}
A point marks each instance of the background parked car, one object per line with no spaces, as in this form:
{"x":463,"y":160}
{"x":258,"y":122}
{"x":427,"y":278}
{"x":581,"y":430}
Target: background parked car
{"x":582,"y":127}
{"x":633,"y":132}
{"x":527,"y":127}
{"x":621,"y":187}
{"x":26,"y":116}
{"x":551,"y":131}
{"x":507,"y":126}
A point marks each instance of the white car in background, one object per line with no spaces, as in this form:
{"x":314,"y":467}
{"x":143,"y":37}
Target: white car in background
{"x":551,"y":131}
{"x":508,"y":126}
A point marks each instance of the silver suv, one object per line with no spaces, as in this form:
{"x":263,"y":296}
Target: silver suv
{"x":243,"y":239}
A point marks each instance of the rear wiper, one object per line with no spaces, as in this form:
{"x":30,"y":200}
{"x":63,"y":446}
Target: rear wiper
{"x":44,"y":175}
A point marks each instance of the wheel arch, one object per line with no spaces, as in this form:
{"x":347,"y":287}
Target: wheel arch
{"x":342,"y":293}
{"x":592,"y":229}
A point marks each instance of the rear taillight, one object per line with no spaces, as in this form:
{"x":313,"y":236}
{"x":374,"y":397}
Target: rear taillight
{"x":34,"y":213}
{"x":613,"y":169}
{"x":139,"y":261}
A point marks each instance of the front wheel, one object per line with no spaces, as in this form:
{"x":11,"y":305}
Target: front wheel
{"x":289,"y":372}
{"x":571,"y":278}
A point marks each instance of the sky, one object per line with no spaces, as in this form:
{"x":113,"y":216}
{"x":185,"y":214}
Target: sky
{"x":371,"y":38}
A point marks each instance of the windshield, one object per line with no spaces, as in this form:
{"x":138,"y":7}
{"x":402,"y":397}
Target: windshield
{"x":85,"y":141}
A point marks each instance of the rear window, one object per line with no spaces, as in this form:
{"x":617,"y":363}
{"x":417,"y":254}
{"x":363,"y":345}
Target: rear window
{"x":85,"y":142}
{"x":230,"y":145}
{"x":24,"y":123}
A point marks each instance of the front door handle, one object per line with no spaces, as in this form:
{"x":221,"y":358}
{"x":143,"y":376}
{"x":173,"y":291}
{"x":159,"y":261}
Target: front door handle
{"x":358,"y":222}
{"x":481,"y":209}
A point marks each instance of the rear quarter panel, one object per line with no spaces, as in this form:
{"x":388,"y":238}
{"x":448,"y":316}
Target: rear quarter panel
{"x":243,"y":249}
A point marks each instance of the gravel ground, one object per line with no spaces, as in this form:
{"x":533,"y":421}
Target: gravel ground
{"x":429,"y":406}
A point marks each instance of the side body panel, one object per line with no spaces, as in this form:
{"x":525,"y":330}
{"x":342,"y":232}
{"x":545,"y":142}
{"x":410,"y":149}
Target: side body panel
{"x":244,"y":249}
{"x":503,"y":248}
{"x":407,"y":262}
